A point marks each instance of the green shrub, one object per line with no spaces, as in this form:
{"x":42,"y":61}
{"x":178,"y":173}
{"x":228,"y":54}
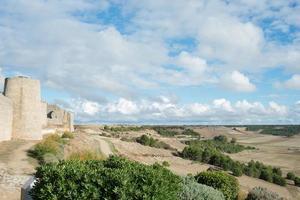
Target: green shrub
{"x":277,"y":170}
{"x":290,"y":176}
{"x":237,"y":169}
{"x":225,"y":183}
{"x":111,"y":179}
{"x":165,"y":164}
{"x":67,"y":135}
{"x":191,"y":190}
{"x":221,"y":138}
{"x":49,"y":145}
{"x":266,"y":174}
{"x":259,"y":193}
{"x":297,"y":181}
{"x":279,"y":180}
{"x":150,"y":141}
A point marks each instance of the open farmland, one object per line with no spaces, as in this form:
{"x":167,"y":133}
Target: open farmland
{"x":276,"y":151}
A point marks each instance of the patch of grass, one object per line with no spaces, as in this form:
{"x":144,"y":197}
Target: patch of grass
{"x":67,"y":134}
{"x":86,"y":155}
{"x":52,"y":144}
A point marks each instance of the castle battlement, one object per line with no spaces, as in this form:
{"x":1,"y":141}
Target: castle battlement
{"x":24,"y":116}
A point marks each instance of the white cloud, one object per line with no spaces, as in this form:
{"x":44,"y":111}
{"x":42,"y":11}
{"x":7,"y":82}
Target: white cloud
{"x":123,"y":106}
{"x":277,"y":109}
{"x":163,"y":110}
{"x":292,"y":83}
{"x":223,"y":104}
{"x":237,"y":81}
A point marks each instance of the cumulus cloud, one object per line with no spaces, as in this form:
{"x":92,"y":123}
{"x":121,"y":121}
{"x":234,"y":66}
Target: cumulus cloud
{"x":237,"y":81}
{"x":292,"y":83}
{"x":163,"y":110}
{"x":74,"y":47}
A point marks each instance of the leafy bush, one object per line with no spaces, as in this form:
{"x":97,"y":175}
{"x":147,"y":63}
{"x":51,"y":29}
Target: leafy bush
{"x":111,"y":179}
{"x":150,"y":141}
{"x":221,"y":138}
{"x":279,"y":180}
{"x":67,"y":135}
{"x":225,"y":183}
{"x":191,"y":190}
{"x":50,"y":145}
{"x":297,"y":181}
{"x":86,"y":155}
{"x":259,"y":193}
{"x":266,"y":174}
{"x":290,"y":176}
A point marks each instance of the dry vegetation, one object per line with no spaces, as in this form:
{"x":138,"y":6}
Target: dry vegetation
{"x":93,"y":142}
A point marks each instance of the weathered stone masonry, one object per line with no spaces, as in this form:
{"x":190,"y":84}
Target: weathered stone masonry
{"x":24,"y":116}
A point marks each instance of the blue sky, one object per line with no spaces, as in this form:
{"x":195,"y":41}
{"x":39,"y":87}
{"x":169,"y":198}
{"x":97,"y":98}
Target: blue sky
{"x":180,"y":61}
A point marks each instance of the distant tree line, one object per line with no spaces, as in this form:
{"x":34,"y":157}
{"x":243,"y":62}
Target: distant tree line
{"x":211,"y":152}
{"x":281,"y":130}
{"x":150,"y":141}
{"x":222,"y":144}
{"x":173,"y":131}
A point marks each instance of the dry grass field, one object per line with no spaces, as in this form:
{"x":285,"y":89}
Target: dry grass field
{"x":278,"y":151}
{"x":273,"y":150}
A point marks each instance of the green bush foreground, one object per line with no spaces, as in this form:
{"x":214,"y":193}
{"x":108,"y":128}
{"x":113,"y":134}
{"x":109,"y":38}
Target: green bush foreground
{"x":118,"y":179}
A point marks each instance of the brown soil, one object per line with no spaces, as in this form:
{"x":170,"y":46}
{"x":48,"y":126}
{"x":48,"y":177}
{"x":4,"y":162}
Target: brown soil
{"x":15,"y":167}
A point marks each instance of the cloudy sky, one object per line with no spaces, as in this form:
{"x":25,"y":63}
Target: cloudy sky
{"x":159,"y":61}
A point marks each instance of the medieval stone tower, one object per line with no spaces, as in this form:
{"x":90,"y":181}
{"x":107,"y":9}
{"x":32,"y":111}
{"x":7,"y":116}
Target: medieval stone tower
{"x":25,"y":95}
{"x":24,"y":116}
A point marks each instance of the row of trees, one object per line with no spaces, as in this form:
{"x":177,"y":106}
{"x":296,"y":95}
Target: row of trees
{"x":222,"y":144}
{"x":150,"y":141}
{"x":212,"y":155}
{"x":282,"y":130}
{"x":293,"y":177}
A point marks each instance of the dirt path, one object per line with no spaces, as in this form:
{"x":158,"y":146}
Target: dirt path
{"x":104,"y":146}
{"x":15,"y":167}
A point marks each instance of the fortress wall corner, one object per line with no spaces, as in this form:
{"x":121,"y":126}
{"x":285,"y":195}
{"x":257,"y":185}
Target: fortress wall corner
{"x":6,"y":117}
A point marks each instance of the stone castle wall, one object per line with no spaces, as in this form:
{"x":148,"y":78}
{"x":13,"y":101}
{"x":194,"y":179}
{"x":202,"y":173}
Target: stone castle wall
{"x":24,"y":116}
{"x":6,"y":118}
{"x":59,"y":118}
